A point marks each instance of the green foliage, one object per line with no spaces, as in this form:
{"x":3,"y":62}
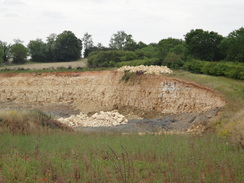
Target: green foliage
{"x":99,"y":47}
{"x":173,"y":60}
{"x":68,"y":47}
{"x":6,"y":51}
{"x":127,"y":76}
{"x":69,"y":157}
{"x":109,"y":58}
{"x":166,"y":45}
{"x":204,"y":45}
{"x":63,"y":47}
{"x":227,"y":69}
{"x":122,"y":41}
{"x":51,"y":48}
{"x":233,"y":45}
{"x":87,"y":44}
{"x":19,"y":53}
{"x":38,"y":50}
{"x":149,"y":51}
{"x":1,"y":54}
{"x":148,"y":62}
{"x":141,"y":45}
{"x":194,"y":66}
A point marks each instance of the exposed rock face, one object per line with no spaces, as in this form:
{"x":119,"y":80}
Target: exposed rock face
{"x":104,"y":90}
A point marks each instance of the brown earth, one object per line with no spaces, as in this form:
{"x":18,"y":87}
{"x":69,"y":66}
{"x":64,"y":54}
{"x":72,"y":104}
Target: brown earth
{"x":142,"y":96}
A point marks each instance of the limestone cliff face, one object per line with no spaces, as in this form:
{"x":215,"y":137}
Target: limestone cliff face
{"x":88,"y":91}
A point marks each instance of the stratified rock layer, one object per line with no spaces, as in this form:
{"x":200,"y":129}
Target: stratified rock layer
{"x":105,"y":90}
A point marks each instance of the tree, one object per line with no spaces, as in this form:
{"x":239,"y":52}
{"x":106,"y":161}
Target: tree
{"x":51,"y":48}
{"x":87,"y":43}
{"x":204,"y":45}
{"x":1,"y":54}
{"x":6,"y":51}
{"x":37,"y":50}
{"x":233,"y":45}
{"x":19,"y":52}
{"x":147,"y":52}
{"x":122,"y":41}
{"x":165,"y":45}
{"x":68,"y":47}
{"x":141,"y":45}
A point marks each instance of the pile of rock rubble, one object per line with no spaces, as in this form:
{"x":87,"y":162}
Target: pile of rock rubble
{"x":147,"y":69}
{"x":105,"y":119}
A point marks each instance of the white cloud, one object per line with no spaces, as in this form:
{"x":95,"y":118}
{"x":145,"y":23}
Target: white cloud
{"x":148,"y":21}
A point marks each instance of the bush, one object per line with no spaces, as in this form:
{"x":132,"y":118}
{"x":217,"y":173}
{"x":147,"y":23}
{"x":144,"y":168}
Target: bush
{"x":173,"y":60}
{"x":109,"y":58}
{"x":227,"y":69}
{"x":153,"y":61}
{"x":194,"y":66}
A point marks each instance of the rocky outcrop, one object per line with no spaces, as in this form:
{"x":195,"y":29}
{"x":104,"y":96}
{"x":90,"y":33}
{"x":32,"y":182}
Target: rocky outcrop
{"x":105,"y":90}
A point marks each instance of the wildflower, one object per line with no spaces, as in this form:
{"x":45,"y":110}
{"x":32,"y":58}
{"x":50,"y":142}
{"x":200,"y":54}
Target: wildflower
{"x":43,"y":179}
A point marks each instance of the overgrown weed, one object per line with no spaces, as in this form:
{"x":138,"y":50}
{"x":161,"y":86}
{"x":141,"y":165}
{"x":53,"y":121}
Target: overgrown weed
{"x":28,"y":122}
{"x":66,"y":157}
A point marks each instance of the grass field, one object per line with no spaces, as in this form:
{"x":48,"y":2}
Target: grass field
{"x":72,"y":157}
{"x":54,"y":156}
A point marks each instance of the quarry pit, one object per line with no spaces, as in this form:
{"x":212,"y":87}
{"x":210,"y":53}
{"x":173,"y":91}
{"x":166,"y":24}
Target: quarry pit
{"x":145,"y":102}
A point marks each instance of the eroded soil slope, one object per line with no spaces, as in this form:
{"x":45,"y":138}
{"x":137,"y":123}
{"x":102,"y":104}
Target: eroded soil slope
{"x":105,"y":90}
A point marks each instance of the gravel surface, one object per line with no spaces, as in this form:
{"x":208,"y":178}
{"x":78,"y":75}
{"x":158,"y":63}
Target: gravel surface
{"x":172,"y":122}
{"x":175,"y":122}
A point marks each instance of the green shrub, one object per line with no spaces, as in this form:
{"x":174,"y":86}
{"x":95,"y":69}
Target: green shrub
{"x":153,"y":61}
{"x":147,"y":52}
{"x":193,"y":66}
{"x":109,"y":58}
{"x":227,"y":69}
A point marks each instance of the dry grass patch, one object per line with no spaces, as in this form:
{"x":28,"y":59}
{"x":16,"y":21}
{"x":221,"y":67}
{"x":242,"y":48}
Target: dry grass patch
{"x":27,"y":122}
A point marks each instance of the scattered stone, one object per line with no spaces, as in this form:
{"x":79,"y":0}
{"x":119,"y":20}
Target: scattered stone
{"x":101,"y":119}
{"x":157,"y":70}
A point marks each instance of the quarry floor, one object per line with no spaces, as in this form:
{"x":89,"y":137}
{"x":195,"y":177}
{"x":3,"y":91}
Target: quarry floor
{"x":151,"y":123}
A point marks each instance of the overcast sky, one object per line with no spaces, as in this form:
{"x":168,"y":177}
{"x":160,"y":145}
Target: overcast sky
{"x":147,"y":20}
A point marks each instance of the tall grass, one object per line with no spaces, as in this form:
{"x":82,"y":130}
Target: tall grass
{"x":69,"y":157}
{"x":28,"y":122}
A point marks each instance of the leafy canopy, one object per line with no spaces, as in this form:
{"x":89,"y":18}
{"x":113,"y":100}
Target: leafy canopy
{"x":204,"y":45}
{"x":233,"y":45}
{"x":19,"y":52}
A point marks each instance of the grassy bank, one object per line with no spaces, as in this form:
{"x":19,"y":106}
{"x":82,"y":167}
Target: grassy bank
{"x":70,"y":157}
{"x":230,"y":121}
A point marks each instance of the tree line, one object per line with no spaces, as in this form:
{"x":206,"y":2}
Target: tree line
{"x":198,"y":45}
{"x":200,"y":52}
